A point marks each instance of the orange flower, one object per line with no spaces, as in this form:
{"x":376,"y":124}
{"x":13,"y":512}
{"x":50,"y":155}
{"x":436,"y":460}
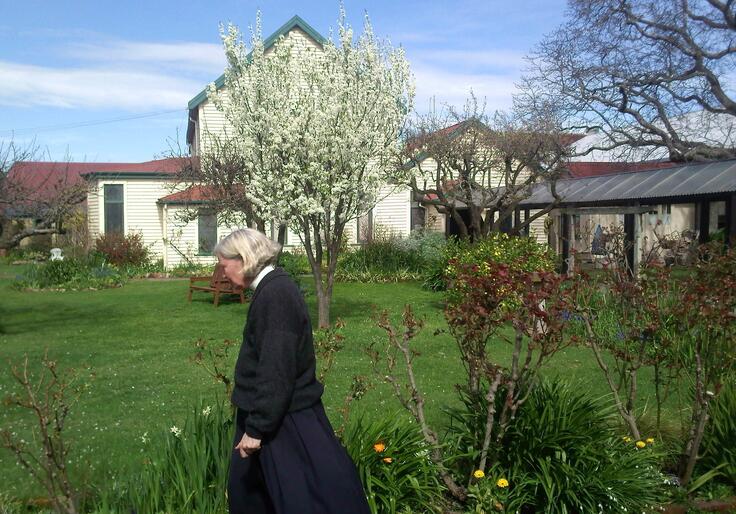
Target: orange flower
{"x":387,"y":460}
{"x":379,"y":447}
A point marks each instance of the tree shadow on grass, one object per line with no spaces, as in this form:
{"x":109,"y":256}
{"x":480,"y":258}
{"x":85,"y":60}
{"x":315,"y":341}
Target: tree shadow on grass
{"x":47,"y":317}
{"x":346,"y":309}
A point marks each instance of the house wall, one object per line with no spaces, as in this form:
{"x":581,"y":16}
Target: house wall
{"x":434,"y":221}
{"x":182,"y":237}
{"x":393,"y":210}
{"x":212,"y":122}
{"x":93,"y":212}
{"x":536,"y":228}
{"x":141,"y":213}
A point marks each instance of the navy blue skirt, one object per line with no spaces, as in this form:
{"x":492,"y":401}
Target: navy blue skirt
{"x":301,"y":469}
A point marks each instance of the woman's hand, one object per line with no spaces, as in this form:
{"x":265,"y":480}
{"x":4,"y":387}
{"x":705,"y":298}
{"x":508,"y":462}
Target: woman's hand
{"x":248,"y":445}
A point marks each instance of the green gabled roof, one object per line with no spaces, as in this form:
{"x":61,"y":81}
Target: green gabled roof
{"x":295,"y":22}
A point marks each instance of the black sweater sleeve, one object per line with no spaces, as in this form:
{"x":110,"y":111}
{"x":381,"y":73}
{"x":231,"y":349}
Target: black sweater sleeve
{"x":277,"y":336}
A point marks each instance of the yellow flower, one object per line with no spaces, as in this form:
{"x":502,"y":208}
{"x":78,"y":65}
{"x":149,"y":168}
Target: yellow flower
{"x":387,"y":460}
{"x":502,"y":482}
{"x":650,"y":440}
{"x":379,"y":447}
{"x":640,"y":444}
{"x":479,"y":473}
{"x":627,"y":439}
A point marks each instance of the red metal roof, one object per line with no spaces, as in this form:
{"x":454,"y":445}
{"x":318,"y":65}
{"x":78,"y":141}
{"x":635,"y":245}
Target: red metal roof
{"x":38,"y":174}
{"x":581,"y":169}
{"x":192,"y":194}
{"x":36,"y":183}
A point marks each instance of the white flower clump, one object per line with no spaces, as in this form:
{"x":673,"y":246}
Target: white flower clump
{"x":316,"y":128}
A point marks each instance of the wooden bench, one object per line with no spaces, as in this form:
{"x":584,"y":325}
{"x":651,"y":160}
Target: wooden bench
{"x":218,"y":285}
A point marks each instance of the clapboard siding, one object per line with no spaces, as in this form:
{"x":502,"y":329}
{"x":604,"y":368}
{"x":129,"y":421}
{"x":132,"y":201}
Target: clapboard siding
{"x":93,"y":212}
{"x":536,"y":228}
{"x":393,"y":210}
{"x":434,"y":221}
{"x":182,"y":238}
{"x":212,"y":122}
{"x":142,"y":214}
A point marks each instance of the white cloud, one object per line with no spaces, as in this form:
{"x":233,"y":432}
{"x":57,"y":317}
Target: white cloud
{"x":454,"y":88}
{"x":198,"y":57}
{"x":24,"y":85}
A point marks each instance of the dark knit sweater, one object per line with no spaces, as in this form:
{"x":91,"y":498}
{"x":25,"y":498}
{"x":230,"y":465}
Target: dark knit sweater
{"x":275,"y":371}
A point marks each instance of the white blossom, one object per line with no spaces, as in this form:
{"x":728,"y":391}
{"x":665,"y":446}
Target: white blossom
{"x":316,"y":128}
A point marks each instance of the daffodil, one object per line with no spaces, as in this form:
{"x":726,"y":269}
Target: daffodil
{"x":387,"y":460}
{"x":650,"y":440}
{"x":379,"y":447}
{"x":640,"y":444}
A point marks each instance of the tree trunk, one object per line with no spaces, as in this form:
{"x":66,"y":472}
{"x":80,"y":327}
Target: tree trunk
{"x":323,"y":306}
{"x":282,"y":234}
{"x":14,"y":241}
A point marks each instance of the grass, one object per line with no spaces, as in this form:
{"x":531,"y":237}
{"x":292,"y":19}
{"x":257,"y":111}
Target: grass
{"x":138,"y":340}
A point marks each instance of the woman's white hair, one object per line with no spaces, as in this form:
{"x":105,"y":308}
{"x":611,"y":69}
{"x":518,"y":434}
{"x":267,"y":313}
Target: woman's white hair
{"x":252,"y":247}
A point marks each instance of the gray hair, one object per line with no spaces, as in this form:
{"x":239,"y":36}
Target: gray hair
{"x":252,"y":247}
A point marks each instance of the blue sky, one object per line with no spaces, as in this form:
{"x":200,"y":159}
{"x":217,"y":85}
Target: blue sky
{"x":66,"y":66}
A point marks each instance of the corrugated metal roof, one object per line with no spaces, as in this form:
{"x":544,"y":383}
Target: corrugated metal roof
{"x":688,"y":180}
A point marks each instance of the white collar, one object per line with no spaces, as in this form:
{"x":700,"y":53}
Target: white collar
{"x":265,"y":271}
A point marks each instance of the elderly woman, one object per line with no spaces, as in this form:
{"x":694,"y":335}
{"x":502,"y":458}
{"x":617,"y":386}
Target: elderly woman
{"x":286,"y":459}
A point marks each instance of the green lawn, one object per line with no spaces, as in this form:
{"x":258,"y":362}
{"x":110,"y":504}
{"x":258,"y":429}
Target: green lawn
{"x":138,"y":340}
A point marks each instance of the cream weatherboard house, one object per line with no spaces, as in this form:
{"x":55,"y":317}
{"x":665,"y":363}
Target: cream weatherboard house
{"x":393,"y":210}
{"x":179,"y":225}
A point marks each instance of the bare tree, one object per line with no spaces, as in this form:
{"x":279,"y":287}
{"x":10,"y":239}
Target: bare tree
{"x":483,"y":165}
{"x":220,"y":175}
{"x":652,"y":76}
{"x":45,"y":197}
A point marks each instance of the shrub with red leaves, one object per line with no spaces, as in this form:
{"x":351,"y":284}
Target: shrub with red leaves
{"x":123,"y":250}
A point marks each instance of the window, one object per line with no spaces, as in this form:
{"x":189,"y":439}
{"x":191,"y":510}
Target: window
{"x":114,"y":209}
{"x":666,"y":214}
{"x":364,"y":227}
{"x":207,"y":231}
{"x":418,"y":217}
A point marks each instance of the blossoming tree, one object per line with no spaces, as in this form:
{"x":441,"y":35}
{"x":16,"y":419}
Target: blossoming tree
{"x":316,"y":129}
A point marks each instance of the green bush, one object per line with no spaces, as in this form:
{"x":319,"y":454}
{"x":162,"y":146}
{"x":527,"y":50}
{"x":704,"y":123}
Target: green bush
{"x":564,"y":455}
{"x":295,"y":264}
{"x":26,"y":254}
{"x":394,"y":465}
{"x":465,"y":429}
{"x":391,"y":259}
{"x":520,"y":253}
{"x":71,"y":274}
{"x":718,"y":447}
{"x":185,"y":470}
{"x":188,"y":268}
{"x":123,"y":250}
{"x":143,"y":270}
{"x":561,"y":454}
